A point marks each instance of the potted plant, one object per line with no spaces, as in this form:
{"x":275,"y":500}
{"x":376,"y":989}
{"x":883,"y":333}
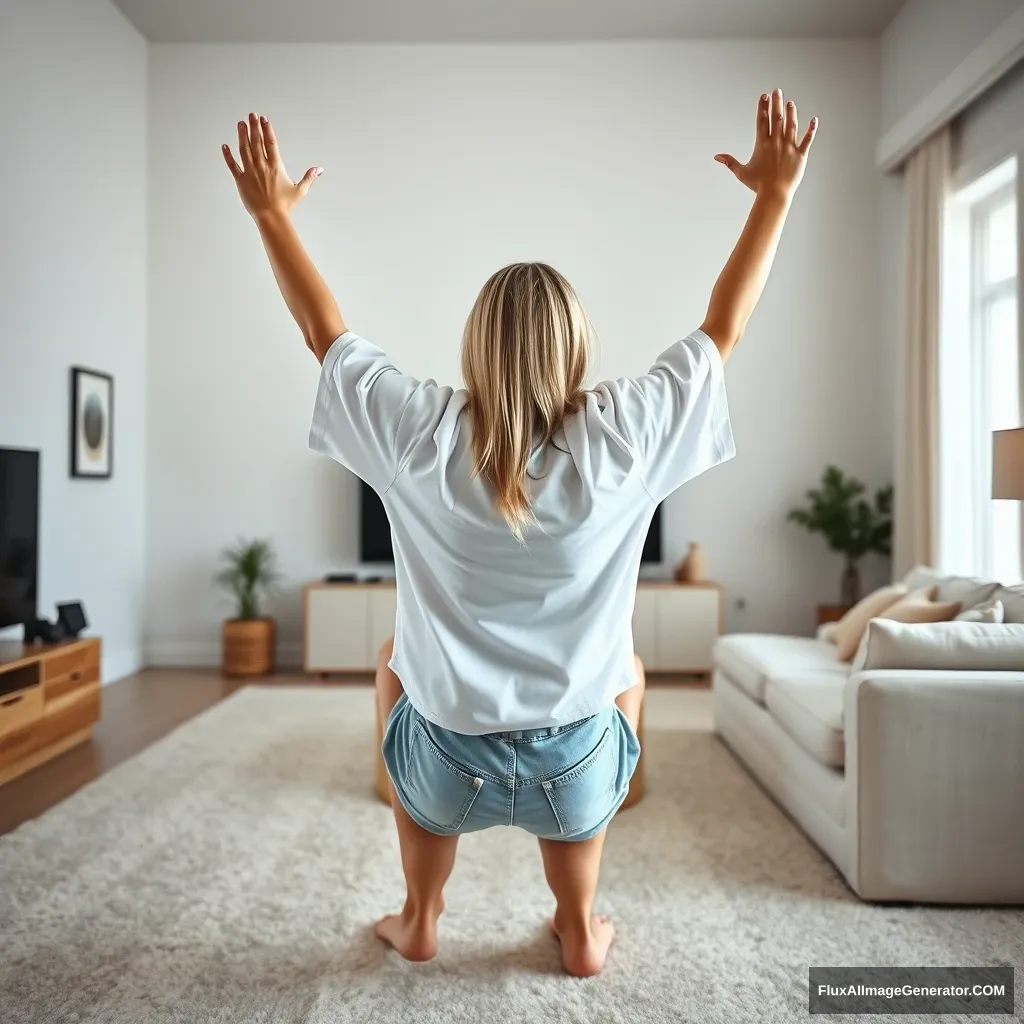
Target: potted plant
{"x":248,"y":639}
{"x":850,"y":524}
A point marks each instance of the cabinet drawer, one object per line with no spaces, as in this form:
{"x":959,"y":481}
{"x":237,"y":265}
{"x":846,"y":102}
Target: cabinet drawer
{"x":69,"y":669}
{"x":337,"y":629}
{"x":20,"y":709}
{"x":49,"y":730}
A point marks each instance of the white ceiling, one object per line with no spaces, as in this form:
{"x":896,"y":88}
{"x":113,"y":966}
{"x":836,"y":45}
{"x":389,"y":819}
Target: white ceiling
{"x":363,"y":21}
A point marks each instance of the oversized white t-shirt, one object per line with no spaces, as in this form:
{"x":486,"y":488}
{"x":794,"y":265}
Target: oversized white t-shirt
{"x":491,"y":634}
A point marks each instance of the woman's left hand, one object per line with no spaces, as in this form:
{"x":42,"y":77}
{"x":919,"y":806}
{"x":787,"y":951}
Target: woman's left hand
{"x":263,"y":183}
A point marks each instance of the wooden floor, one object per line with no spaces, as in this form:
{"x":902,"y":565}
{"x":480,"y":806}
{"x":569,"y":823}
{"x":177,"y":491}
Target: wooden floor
{"x":136,"y":712}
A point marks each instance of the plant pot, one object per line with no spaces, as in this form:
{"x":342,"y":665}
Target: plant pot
{"x":247,"y":647}
{"x":849,"y":585}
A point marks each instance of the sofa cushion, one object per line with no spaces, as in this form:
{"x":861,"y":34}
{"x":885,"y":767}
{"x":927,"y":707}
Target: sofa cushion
{"x":943,"y":646}
{"x":968,"y":590}
{"x":751,"y":659}
{"x":1012,"y":599}
{"x":810,"y":708}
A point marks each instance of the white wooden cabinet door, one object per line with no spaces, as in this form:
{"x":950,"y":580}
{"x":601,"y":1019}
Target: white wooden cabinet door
{"x":383,"y":605}
{"x":337,"y":626}
{"x":644,"y":626}
{"x":686,"y":628}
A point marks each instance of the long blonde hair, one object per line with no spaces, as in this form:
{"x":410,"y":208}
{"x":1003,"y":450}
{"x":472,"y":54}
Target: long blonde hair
{"x":524,"y":360}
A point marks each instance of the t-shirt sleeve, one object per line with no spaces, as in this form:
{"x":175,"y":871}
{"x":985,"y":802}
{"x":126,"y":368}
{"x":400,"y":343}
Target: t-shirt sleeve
{"x":676,"y":416}
{"x":368,"y":415}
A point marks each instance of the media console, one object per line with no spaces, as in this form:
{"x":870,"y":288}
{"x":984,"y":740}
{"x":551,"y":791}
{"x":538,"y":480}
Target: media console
{"x":675,"y":625}
{"x":49,"y":700}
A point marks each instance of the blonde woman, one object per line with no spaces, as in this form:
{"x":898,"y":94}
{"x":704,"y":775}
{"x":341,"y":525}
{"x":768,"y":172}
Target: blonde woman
{"x":518,"y":508}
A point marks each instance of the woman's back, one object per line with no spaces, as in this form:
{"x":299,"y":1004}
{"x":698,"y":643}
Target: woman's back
{"x":493,"y":632}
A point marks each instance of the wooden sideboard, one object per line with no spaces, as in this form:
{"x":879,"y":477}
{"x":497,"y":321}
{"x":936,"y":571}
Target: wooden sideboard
{"x":49,"y":700}
{"x":675,"y":625}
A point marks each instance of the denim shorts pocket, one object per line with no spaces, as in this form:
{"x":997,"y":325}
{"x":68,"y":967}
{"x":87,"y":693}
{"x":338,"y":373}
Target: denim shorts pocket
{"x":583,"y":795}
{"x":441,"y":790}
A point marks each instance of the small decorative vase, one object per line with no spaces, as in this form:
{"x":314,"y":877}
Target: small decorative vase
{"x":693,"y":568}
{"x":849,"y":585}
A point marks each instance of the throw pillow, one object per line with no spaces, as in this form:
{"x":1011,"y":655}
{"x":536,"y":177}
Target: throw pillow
{"x":1012,"y":599}
{"x":918,"y":606}
{"x":991,"y":613}
{"x":968,"y":590}
{"x":941,"y":646}
{"x":850,"y":628}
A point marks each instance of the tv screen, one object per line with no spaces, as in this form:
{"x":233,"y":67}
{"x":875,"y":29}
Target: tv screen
{"x":374,"y":528}
{"x":375,"y":531}
{"x":19,"y":535}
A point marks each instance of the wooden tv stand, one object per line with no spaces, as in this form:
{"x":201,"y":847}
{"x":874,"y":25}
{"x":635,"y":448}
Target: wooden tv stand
{"x":49,"y":700}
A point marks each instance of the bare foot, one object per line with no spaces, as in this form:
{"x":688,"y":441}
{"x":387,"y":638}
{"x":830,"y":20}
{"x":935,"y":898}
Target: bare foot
{"x":414,"y":938}
{"x":584,"y":951}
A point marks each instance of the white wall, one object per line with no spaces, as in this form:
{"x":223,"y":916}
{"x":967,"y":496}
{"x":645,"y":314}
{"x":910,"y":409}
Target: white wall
{"x":992,"y":129}
{"x":442,"y":164}
{"x":925,"y":42}
{"x":73,"y":291}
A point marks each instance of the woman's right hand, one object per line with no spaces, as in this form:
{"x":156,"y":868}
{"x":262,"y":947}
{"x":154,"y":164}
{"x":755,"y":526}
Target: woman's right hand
{"x":263,"y":183}
{"x":779,"y":158}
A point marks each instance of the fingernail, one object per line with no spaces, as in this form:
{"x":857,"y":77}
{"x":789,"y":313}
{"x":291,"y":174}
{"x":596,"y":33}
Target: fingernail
{"x":764,"y":95}
{"x":263,"y":119}
{"x":319,"y":171}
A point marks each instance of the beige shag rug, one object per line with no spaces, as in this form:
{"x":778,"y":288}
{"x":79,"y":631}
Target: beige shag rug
{"x":233,"y":872}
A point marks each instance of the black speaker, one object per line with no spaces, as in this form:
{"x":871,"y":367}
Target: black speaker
{"x":43,"y":630}
{"x":71,"y":617}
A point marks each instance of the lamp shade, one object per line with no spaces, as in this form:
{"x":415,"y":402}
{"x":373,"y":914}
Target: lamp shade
{"x":1008,"y":464}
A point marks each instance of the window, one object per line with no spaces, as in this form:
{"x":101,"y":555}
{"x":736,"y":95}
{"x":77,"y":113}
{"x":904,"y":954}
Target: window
{"x":996,"y":378}
{"x":981,"y":375}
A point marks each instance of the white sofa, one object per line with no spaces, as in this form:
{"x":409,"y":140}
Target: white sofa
{"x":911,"y":782}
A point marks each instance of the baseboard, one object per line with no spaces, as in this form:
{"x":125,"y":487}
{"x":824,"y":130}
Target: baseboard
{"x":204,"y":652}
{"x":120,"y":663}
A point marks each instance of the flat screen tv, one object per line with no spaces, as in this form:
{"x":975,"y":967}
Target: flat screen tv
{"x":375,"y":531}
{"x":19,"y":535}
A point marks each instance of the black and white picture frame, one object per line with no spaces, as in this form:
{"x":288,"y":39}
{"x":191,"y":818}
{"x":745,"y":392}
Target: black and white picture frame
{"x":92,"y":423}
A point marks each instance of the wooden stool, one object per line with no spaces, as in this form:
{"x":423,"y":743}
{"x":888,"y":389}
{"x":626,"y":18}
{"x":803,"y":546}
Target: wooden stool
{"x":382,"y":784}
{"x":636,"y":784}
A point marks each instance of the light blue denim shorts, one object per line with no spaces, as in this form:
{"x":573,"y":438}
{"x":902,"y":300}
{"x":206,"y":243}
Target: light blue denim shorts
{"x":565,"y":782}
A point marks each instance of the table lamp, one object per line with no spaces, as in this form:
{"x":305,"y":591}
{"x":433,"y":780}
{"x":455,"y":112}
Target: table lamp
{"x":1008,"y":464}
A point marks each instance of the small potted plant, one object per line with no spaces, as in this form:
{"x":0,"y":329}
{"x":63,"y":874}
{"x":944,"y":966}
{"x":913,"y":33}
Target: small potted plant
{"x":850,"y":524}
{"x":248,"y":640}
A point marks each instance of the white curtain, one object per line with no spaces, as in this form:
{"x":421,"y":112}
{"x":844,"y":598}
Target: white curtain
{"x":916,"y":501}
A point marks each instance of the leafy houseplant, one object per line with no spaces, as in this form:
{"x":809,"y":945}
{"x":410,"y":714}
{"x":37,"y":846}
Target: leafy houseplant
{"x":852,"y":525}
{"x":249,"y":572}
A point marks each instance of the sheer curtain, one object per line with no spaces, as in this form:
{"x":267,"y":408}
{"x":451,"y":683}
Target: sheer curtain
{"x":916,"y":500}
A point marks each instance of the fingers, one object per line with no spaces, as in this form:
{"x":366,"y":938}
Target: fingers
{"x":269,"y":140}
{"x":259,"y":153}
{"x":791,"y":122}
{"x":243,"y":146}
{"x":308,"y":178}
{"x":812,"y":129}
{"x":729,"y":161}
{"x":230,"y":161}
{"x":764,"y":116}
{"x":778,"y":113}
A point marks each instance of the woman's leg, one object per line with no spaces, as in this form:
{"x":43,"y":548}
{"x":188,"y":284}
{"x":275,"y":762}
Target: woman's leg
{"x":427,"y":859}
{"x":572,"y":871}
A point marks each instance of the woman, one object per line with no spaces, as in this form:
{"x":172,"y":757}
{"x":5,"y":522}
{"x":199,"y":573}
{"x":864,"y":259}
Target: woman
{"x":518,"y":508}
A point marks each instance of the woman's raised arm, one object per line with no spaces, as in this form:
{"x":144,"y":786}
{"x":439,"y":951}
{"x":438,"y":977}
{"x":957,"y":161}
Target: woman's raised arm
{"x":773,"y":173}
{"x":269,"y":194}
